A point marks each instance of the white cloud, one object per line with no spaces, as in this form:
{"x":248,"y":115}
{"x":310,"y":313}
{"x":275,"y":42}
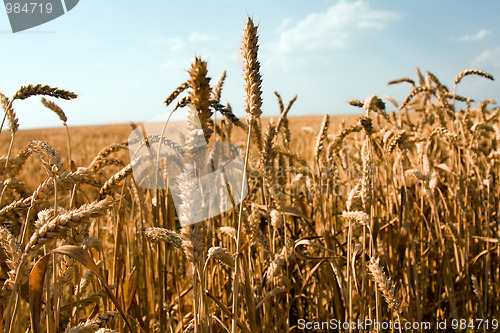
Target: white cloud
{"x":173,"y":43}
{"x":481,"y":34}
{"x":178,"y":43}
{"x":283,"y":25}
{"x":488,"y":57}
{"x":333,"y":29}
{"x":200,"y":37}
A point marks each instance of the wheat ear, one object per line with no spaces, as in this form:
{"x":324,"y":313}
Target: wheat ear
{"x":478,"y":72}
{"x":200,"y":93}
{"x":322,"y":137}
{"x":38,"y":89}
{"x":252,"y":78}
{"x":384,"y":284}
{"x":59,"y":225}
{"x":217,"y":89}
{"x":157,"y":234}
{"x":10,"y":115}
{"x":176,"y":93}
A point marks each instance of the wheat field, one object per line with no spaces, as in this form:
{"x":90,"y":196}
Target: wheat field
{"x":389,"y":217}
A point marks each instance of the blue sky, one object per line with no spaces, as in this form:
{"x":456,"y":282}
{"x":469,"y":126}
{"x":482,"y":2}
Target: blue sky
{"x":124,"y":57}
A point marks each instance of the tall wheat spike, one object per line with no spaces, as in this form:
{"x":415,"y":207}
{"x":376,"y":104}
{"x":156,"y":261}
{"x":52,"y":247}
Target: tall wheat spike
{"x":200,"y":94}
{"x":252,"y":78}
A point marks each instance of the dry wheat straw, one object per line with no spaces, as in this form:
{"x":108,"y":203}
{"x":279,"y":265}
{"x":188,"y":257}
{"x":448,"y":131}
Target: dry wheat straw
{"x":403,"y":79}
{"x":158,"y":234}
{"x":13,"y":252}
{"x":280,"y":102}
{"x":222,"y":255}
{"x":217,"y":89}
{"x":367,"y":124}
{"x":38,"y":89}
{"x":84,"y":283}
{"x":459,"y":98}
{"x":176,"y":93}
{"x":373,"y":103}
{"x":15,"y":163}
{"x":253,"y":103}
{"x":95,"y":325}
{"x":45,"y":190}
{"x":229,"y":231}
{"x":59,"y":225}
{"x":414,"y":93}
{"x":443,"y":131}
{"x":289,"y":105}
{"x":395,"y":141}
{"x":336,"y":143}
{"x":294,"y":155}
{"x":356,"y":103}
{"x":192,"y":231}
{"x":438,"y":83}
{"x":467,"y":72}
{"x":283,"y":120}
{"x":106,"y":330}
{"x":384,"y":284}
{"x":48,"y":156}
{"x":276,"y":219}
{"x":252,"y":78}
{"x":56,"y":109}
{"x":106,"y":152}
{"x":278,"y":263}
{"x":357,"y":216}
{"x":476,"y":288}
{"x":253,"y":230}
{"x":115,"y":180}
{"x":227,"y":113}
{"x":9,"y":113}
{"x":19,"y":186}
{"x":102,"y":163}
{"x":199,"y":94}
{"x":322,"y":137}
{"x":251,"y":72}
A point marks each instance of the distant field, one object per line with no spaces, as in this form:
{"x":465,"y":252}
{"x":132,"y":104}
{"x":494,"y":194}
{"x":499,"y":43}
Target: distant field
{"x":87,"y":141}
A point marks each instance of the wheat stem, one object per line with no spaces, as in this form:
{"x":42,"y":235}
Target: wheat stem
{"x":236,"y":278}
